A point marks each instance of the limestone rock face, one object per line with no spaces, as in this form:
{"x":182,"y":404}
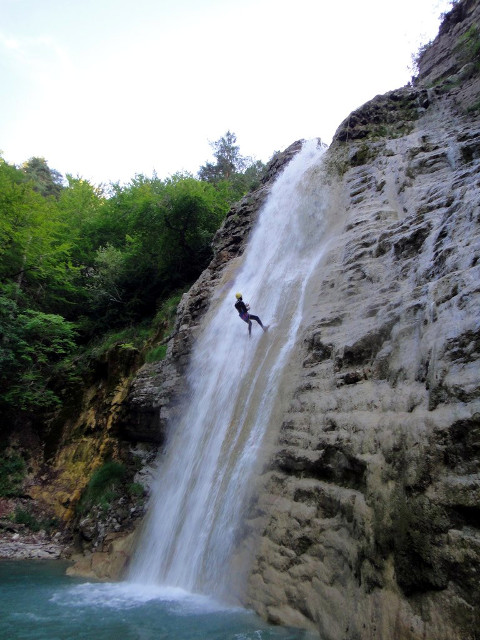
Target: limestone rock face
{"x":369,"y":518}
{"x":450,"y":56}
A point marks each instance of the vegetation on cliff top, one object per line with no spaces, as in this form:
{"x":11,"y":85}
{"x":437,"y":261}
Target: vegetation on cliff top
{"x":78,"y":261}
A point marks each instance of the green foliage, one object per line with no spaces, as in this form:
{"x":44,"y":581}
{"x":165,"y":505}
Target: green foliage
{"x":82,"y":206}
{"x":31,"y":521}
{"x":79,"y":256}
{"x":12,"y":473}
{"x":32,"y":346}
{"x":227,"y":157}
{"x":157,"y":353}
{"x":131,"y":337}
{"x":103,"y":486}
{"x":474,"y":108}
{"x":362,"y":155}
{"x":82,"y":268}
{"x":48,"y":182}
{"x":34,"y":245}
{"x":105,"y":282}
{"x":164,"y":321}
{"x":468,"y":46}
{"x":168,"y":308}
{"x":233,"y":175}
{"x":192,"y":212}
{"x":157,"y":238}
{"x":136,"y":490}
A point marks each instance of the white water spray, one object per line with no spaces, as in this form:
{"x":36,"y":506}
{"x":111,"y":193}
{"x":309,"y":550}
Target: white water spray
{"x":205,"y":475}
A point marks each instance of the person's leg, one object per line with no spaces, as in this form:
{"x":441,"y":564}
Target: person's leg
{"x":258,"y":320}
{"x":246,"y":318}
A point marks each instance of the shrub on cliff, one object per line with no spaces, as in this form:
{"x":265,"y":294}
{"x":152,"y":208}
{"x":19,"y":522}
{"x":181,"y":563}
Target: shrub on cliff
{"x":103,"y":485}
{"x":12,"y":473}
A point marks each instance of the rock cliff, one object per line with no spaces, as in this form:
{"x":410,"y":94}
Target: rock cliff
{"x":369,"y":513}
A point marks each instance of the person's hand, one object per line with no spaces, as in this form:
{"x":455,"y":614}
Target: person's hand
{"x":248,"y":306}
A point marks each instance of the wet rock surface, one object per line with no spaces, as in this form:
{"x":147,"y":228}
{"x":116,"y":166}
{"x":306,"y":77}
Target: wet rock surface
{"x":19,"y":542}
{"x":28,"y":532}
{"x":369,"y":515}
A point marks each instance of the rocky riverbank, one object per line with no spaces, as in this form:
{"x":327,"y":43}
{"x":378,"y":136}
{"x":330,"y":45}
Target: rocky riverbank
{"x":28,"y":534}
{"x":18,"y":543}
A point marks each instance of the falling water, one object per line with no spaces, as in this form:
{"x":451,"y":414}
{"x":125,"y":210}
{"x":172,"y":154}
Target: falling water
{"x":205,"y":475}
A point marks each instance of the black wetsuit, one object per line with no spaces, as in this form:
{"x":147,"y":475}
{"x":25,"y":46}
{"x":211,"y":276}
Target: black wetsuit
{"x":241,"y":307}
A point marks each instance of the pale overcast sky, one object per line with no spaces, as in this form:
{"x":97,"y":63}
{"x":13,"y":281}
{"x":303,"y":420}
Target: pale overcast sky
{"x":106,"y":89}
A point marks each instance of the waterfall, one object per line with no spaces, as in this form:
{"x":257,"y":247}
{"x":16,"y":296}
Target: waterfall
{"x":205,"y":474}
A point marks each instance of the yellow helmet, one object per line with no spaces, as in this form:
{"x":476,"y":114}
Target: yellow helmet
{"x":238,"y":296}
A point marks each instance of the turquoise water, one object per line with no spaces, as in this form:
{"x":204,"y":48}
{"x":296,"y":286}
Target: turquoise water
{"x":39,"y":602}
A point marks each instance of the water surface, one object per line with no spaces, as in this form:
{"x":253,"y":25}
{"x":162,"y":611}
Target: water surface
{"x":38,"y":601}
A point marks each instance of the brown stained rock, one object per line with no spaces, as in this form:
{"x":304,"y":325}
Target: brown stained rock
{"x":108,"y":564}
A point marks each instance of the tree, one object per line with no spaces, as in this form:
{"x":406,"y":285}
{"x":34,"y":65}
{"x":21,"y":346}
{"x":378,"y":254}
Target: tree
{"x":46,"y":181}
{"x":31,"y":245}
{"x":193,"y":211}
{"x":105,"y":279}
{"x":82,"y":208}
{"x":228,"y":160}
{"x":99,"y":262}
{"x":33,"y":345}
{"x":155,"y":237}
{"x":232,"y":173}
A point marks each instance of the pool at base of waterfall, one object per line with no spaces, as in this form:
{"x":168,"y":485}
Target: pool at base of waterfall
{"x":39,"y":602}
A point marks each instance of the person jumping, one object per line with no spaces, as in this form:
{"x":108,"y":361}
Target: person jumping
{"x":243,"y":311}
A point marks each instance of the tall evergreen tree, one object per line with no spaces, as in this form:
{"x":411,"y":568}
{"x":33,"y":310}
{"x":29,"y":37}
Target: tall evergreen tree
{"x":231,"y":172}
{"x":228,"y":160}
{"x":48,"y":182}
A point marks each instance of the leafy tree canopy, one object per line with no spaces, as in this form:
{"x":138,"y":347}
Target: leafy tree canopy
{"x":32,"y":346}
{"x":232,"y":172}
{"x":77,"y":262}
{"x":157,"y":237}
